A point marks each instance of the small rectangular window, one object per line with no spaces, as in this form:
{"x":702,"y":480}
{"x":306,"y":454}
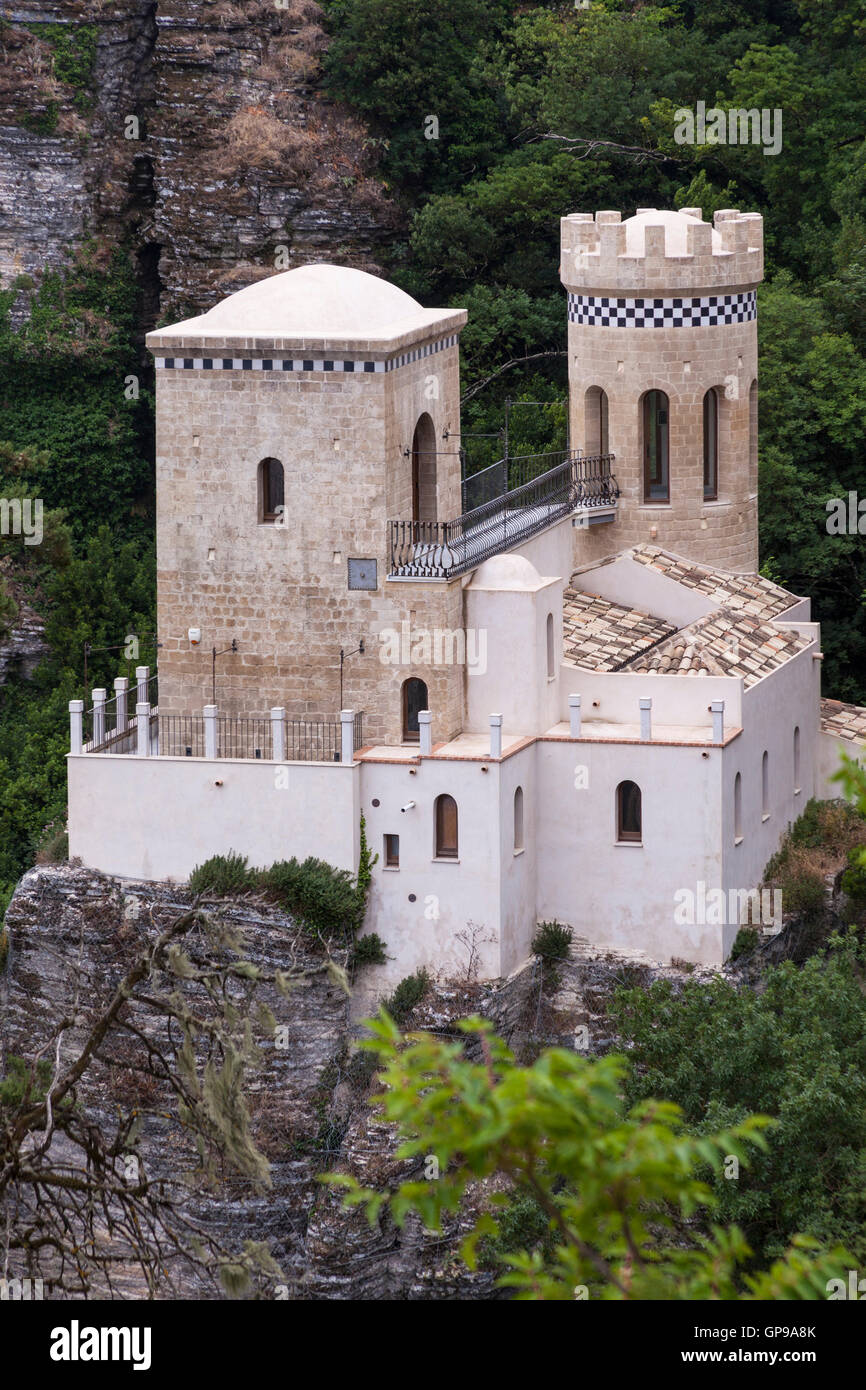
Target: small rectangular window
{"x":392,"y":851}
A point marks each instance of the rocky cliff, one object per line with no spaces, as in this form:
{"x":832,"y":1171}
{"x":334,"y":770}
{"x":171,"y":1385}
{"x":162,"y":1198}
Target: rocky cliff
{"x":194,"y":128}
{"x":71,"y":932}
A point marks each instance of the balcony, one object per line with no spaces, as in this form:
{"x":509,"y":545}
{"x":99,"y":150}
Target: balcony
{"x":549,"y":488}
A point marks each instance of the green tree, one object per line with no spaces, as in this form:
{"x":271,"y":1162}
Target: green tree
{"x":617,"y":1187}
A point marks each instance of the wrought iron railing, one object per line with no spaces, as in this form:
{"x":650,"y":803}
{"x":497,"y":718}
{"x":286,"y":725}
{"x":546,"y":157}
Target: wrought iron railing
{"x":444,"y":549}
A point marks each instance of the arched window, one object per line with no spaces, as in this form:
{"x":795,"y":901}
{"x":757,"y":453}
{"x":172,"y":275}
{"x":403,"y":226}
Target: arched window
{"x":797,"y":761}
{"x":753,"y":437}
{"x":424,"y":470}
{"x":628,"y":812}
{"x":272,"y":490}
{"x":445,"y":810}
{"x":711,"y":445}
{"x":595,"y":421}
{"x":655,"y":426}
{"x":738,"y":808}
{"x":765,"y":786}
{"x":551,"y":648}
{"x":414,"y":700}
{"x":518,"y":819}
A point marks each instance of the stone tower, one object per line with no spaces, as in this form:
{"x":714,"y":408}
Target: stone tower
{"x":294,"y":421}
{"x":663,"y":365}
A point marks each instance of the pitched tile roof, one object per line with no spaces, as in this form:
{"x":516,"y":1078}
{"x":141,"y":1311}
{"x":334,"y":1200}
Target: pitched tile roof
{"x":724,"y":643}
{"x":845,"y":721}
{"x":745,"y":593}
{"x":603,"y":636}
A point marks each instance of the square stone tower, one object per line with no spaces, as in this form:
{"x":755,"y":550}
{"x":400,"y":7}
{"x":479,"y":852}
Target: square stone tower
{"x":295,"y":420}
{"x":663,"y":366}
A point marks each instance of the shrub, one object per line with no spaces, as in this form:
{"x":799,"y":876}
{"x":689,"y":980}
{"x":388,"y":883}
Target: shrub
{"x":223,"y":874}
{"x":745,"y":942}
{"x":324,"y":898}
{"x":854,"y":877}
{"x":804,"y":892}
{"x":407,"y":995}
{"x":369,"y":950}
{"x":552,"y":942}
{"x":53,"y":847}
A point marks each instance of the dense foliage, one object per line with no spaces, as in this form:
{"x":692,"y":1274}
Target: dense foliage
{"x":613,"y":1190}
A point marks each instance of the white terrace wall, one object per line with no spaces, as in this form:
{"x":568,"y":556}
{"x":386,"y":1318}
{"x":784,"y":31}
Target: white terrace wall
{"x":156,"y":818}
{"x":613,"y":697}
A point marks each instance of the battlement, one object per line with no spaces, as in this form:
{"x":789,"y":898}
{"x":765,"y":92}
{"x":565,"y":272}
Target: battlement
{"x":661,"y":251}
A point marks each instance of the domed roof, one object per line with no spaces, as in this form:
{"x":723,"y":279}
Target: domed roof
{"x":506,"y":572}
{"x":675,"y":224}
{"x":319,"y":303}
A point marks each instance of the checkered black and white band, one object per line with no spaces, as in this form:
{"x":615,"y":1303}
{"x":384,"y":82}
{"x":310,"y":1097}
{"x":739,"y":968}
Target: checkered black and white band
{"x":304,"y":364}
{"x":700,"y":312}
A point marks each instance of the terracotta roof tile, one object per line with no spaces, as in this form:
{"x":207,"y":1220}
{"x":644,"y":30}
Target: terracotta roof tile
{"x":845,"y":721}
{"x":749,"y":593}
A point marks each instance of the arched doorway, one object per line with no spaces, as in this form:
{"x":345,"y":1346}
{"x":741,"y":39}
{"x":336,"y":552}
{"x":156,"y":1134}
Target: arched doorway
{"x":415,"y":699}
{"x":424,"y":470}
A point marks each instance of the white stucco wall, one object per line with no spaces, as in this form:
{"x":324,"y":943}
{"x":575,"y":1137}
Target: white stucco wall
{"x":160,"y":817}
{"x":772,"y":708}
{"x":622,"y":895}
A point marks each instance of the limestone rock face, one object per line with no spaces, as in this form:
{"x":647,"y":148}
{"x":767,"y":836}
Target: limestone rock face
{"x":240,"y":166}
{"x":69,"y":926}
{"x":24,"y":645}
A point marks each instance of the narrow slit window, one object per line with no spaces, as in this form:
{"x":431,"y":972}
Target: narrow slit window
{"x":392,"y":851}
{"x":711,"y":445}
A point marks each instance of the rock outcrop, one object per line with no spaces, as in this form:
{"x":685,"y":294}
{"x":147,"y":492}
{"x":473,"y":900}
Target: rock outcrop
{"x":71,"y":934}
{"x":194,"y":130}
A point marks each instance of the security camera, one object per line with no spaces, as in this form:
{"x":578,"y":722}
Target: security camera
{"x":408,"y":806}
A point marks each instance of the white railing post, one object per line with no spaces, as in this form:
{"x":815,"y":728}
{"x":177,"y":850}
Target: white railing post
{"x":142,"y":719}
{"x":496,"y":735}
{"x":142,"y":679}
{"x":425,"y":725}
{"x":646,"y":719}
{"x":347,"y":735}
{"x":76,"y":726}
{"x":210,"y":731}
{"x":574,"y":715}
{"x":717,"y":710}
{"x":98,"y":717}
{"x":121,"y":690}
{"x":278,"y":734}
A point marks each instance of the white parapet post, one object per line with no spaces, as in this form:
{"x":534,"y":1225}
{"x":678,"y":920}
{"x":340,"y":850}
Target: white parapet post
{"x":347,"y":735}
{"x":142,"y":719}
{"x":496,"y":735}
{"x":98,"y":717}
{"x":278,"y":734}
{"x":425,"y":725}
{"x":121,"y":696}
{"x":717,"y":710}
{"x":210,"y":731}
{"x":646,"y":719}
{"x":142,"y":680}
{"x":574,"y":715}
{"x":76,"y":726}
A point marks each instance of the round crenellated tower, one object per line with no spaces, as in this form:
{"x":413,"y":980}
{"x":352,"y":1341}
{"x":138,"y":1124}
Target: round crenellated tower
{"x":663,"y":366}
